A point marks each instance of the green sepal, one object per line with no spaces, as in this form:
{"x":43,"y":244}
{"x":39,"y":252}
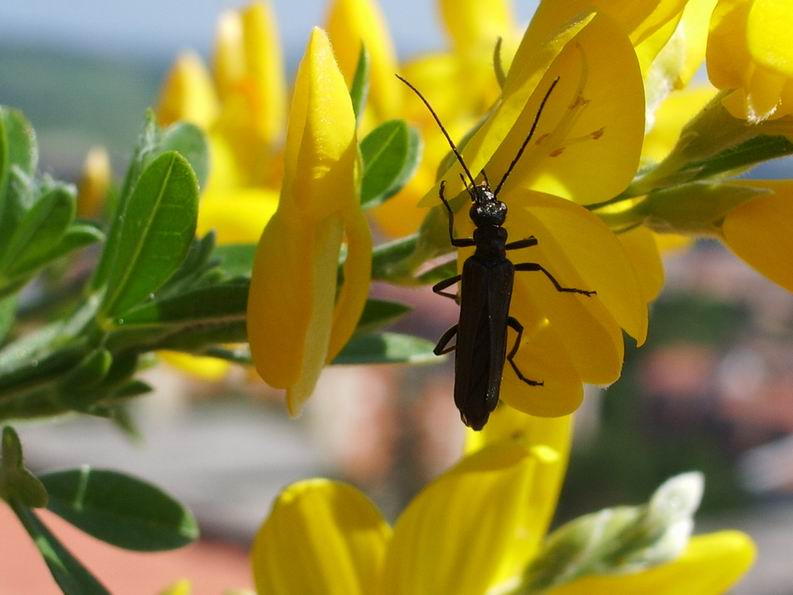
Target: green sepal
{"x":16,"y":482}
{"x":715,"y":144}
{"x":624,"y":539}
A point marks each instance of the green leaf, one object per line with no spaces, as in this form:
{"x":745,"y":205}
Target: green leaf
{"x":18,"y":159}
{"x":72,"y":577}
{"x":40,"y":229}
{"x":378,"y":313}
{"x":390,"y":154}
{"x":120,"y":509}
{"x":158,"y":225}
{"x":236,"y":260}
{"x":188,"y":140}
{"x":199,"y":306}
{"x":79,"y":235}
{"x":386,"y":348}
{"x":439,"y":273}
{"x":8,"y":308}
{"x":89,"y":372}
{"x":23,"y":150}
{"x":359,"y":90}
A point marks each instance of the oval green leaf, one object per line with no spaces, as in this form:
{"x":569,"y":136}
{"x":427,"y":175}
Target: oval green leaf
{"x":386,"y":348}
{"x":119,"y":509}
{"x":157,"y":227}
{"x":390,"y":154}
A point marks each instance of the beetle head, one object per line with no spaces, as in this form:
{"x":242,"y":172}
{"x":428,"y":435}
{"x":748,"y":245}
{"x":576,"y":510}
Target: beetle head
{"x":487,"y":209}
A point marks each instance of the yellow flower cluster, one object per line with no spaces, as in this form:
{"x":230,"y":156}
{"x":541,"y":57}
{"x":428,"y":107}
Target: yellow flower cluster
{"x":620,"y":107}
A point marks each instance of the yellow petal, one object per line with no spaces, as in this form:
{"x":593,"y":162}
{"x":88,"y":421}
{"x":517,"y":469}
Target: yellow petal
{"x":727,"y":53}
{"x":761,"y":231}
{"x":357,"y":275}
{"x":671,"y":242}
{"x":528,"y":69}
{"x":321,"y":153}
{"x":228,"y":60}
{"x":322,"y":537}
{"x":710,"y":565}
{"x":265,"y":79}
{"x":587,"y":255}
{"x":641,"y":21}
{"x":768,"y":35}
{"x":550,"y":439}
{"x":188,"y":94}
{"x":476,"y":24}
{"x":211,"y":369}
{"x":585,"y":123}
{"x":94,"y":183}
{"x":470,"y":528}
{"x":543,"y":358}
{"x":291,"y":302}
{"x":352,"y":22}
{"x":642,"y":250}
{"x":758,"y":74}
{"x":237,"y":217}
{"x":293,"y":285}
{"x":180,"y":587}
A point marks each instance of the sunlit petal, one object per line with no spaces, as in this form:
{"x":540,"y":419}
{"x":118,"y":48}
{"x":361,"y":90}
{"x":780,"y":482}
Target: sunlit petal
{"x":237,"y":216}
{"x":642,"y":249}
{"x":768,"y":35}
{"x":293,"y":285}
{"x":586,"y":255}
{"x":470,"y":527}
{"x":710,"y":565}
{"x":760,"y":231}
{"x":188,"y":94}
{"x":322,"y":538}
{"x":352,"y":22}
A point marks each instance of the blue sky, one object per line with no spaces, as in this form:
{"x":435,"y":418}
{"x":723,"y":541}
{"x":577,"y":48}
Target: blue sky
{"x":159,"y":28}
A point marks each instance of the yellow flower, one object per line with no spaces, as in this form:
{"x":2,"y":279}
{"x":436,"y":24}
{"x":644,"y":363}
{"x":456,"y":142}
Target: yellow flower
{"x":94,"y":183}
{"x":750,"y":51}
{"x":472,"y":531}
{"x":351,"y":23}
{"x":460,"y":84}
{"x":188,"y":94}
{"x":296,"y":324}
{"x":586,"y":149}
{"x":243,"y":113}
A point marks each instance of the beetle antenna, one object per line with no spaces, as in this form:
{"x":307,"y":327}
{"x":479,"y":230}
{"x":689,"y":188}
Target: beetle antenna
{"x":484,"y":175}
{"x":528,"y":138}
{"x":443,"y":130}
{"x":468,"y":189}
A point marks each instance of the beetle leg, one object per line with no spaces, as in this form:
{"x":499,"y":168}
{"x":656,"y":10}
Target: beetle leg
{"x":524,"y":243}
{"x":533,"y":266}
{"x":456,"y":242}
{"x":440,"y":286}
{"x":441,"y":347}
{"x":518,"y":327}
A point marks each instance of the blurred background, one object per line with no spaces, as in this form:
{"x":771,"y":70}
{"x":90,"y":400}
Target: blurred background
{"x":712,"y":389}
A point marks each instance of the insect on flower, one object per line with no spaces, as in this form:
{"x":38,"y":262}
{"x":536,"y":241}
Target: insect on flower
{"x":485,"y":290}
